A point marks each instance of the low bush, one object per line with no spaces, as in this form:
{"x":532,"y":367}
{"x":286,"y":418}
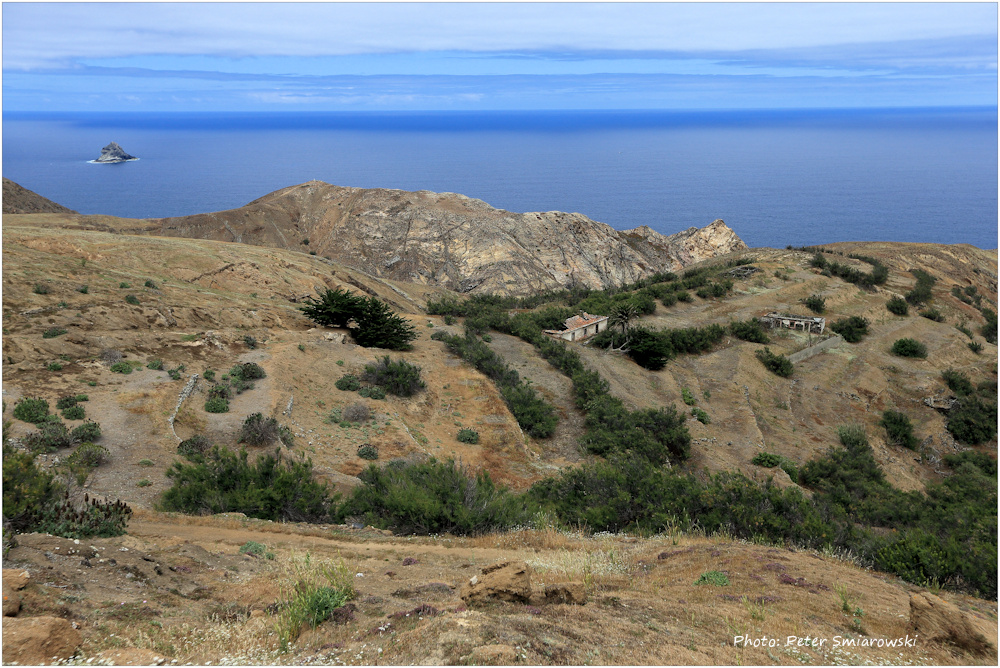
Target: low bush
{"x":132,"y":299}
{"x":368,"y":451}
{"x":194,"y":447}
{"x":375,"y":392}
{"x":53,"y":332}
{"x":687,"y":397}
{"x":921,"y":292}
{"x":357,"y":413}
{"x":749,"y":330}
{"x":220,"y":391}
{"x":898,"y":429}
{"x":958,"y":382}
{"x":975,"y":347}
{"x":150,"y":284}
{"x":909,"y":348}
{"x":852,"y":329}
{"x":155,"y":364}
{"x":766,"y":459}
{"x":121,"y":367}
{"x":272,"y":488}
{"x":258,"y":430}
{"x":815,"y":303}
{"x":209,"y":375}
{"x":42,"y":289}
{"x":51,"y":436}
{"x":88,"y":456}
{"x":31,"y":409}
{"x":973,"y":421}
{"x":74,"y":413}
{"x":66,"y":402}
{"x":932,"y":314}
{"x":348,"y":383}
{"x":779,"y":365}
{"x":250,"y":341}
{"x":83,"y":289}
{"x":898,"y":306}
{"x":247,"y":371}
{"x":88,"y":431}
{"x":54,"y":366}
{"x":700,"y":415}
{"x":434,"y":497}
{"x":216,"y":405}
{"x":397,"y":377}
{"x":468,"y":436}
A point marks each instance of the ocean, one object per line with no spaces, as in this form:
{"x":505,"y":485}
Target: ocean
{"x":777,"y":178}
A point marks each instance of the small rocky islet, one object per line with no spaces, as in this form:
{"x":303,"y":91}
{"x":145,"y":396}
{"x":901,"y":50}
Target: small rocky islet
{"x":114,"y":153}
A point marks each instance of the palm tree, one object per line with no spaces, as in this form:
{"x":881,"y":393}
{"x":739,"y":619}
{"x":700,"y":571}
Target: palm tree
{"x":622,"y":315}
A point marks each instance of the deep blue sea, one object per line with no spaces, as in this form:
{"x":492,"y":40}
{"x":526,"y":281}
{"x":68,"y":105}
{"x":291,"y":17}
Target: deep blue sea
{"x":776,"y":177}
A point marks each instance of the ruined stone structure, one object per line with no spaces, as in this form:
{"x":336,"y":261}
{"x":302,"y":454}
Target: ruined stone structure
{"x":810,"y":324}
{"x":580,"y":327}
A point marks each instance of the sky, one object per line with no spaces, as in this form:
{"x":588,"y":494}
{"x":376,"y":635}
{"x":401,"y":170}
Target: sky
{"x":496,"y":56}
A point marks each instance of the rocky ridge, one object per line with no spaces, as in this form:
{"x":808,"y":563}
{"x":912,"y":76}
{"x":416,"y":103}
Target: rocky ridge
{"x":18,"y":199}
{"x":448,"y":240}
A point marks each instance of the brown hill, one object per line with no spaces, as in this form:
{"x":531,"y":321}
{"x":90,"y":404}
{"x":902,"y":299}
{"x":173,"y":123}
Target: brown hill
{"x":17,"y":199}
{"x":445,"y":239}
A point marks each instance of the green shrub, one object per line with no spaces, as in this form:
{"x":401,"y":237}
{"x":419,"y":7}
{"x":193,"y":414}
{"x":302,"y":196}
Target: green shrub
{"x":348,"y":383}
{"x":194,"y":447}
{"x":124,"y":286}
{"x":815,"y":303}
{"x":121,"y":367}
{"x":779,"y":365}
{"x":31,"y":409}
{"x":852,"y":329}
{"x":700,"y":415}
{"x":145,"y":462}
{"x":247,"y":371}
{"x":368,"y":451}
{"x":375,"y":392}
{"x":397,"y":377}
{"x":54,"y":366}
{"x":258,"y":430}
{"x":150,"y":284}
{"x":132,"y":299}
{"x":42,"y":289}
{"x":50,"y":436}
{"x":468,"y":436}
{"x":67,"y":402}
{"x":973,"y":421}
{"x":898,"y":306}
{"x":714,"y":578}
{"x":220,"y":391}
{"x":216,"y":405}
{"x":272,"y":488}
{"x":82,"y":397}
{"x":688,"y":397}
{"x":88,"y":431}
{"x":254,"y":548}
{"x":88,"y":456}
{"x":932,"y":314}
{"x":898,"y":429}
{"x":921,"y":293}
{"x":434,"y":497}
{"x":975,"y":347}
{"x":155,"y":364}
{"x":53,"y":332}
{"x":684,"y":296}
{"x":989,"y":329}
{"x":250,"y":341}
{"x":209,"y":375}
{"x":83,"y":289}
{"x":145,"y":482}
{"x":909,"y":348}
{"x":749,"y":330}
{"x":74,"y":413}
{"x":766,"y":460}
{"x":958,"y":382}
{"x":174,"y":374}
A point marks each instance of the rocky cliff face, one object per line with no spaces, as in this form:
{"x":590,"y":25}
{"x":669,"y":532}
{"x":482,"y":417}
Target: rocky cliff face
{"x":451,"y":240}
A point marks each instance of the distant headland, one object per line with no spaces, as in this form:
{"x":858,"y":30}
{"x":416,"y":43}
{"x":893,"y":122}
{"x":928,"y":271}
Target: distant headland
{"x":114,"y":153}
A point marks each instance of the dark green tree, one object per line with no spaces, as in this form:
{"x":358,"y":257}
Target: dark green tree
{"x":379,"y":327}
{"x":334,"y":308}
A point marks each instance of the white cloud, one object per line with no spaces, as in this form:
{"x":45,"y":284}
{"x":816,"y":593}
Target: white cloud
{"x":49,"y":34}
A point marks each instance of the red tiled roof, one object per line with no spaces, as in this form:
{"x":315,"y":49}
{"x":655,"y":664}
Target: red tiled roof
{"x":584,"y":319}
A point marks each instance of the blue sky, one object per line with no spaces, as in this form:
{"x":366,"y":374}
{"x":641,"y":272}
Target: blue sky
{"x":491,"y":56}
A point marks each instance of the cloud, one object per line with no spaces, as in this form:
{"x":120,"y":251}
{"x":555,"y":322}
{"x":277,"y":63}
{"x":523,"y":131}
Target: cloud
{"x":39,"y":35}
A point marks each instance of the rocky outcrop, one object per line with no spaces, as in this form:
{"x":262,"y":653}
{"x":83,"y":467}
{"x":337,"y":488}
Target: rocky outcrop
{"x":504,"y":581}
{"x":450,"y":240}
{"x":574,"y":593}
{"x":114,"y":153}
{"x":39,"y":641}
{"x":18,"y":199}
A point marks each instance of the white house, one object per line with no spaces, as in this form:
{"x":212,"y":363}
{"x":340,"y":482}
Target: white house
{"x":580,"y":327}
